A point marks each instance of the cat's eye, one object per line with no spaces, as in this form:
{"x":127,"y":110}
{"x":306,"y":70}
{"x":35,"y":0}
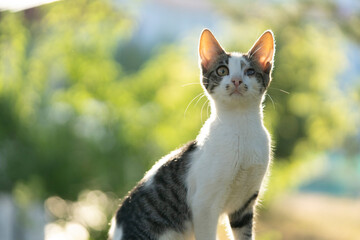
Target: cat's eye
{"x":222,"y":71}
{"x":250,"y":71}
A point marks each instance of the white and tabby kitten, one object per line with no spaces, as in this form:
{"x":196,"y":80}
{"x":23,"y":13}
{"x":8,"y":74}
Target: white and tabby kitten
{"x":220,"y":173}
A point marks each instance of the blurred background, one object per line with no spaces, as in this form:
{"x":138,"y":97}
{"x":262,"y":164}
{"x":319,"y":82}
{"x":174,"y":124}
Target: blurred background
{"x":93,"y":92}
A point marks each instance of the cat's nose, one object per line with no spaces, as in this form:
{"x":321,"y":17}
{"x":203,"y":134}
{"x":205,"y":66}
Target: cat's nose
{"x":236,"y":81}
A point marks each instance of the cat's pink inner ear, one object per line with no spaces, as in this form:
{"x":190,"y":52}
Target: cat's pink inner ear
{"x":263,"y":51}
{"x":209,"y":48}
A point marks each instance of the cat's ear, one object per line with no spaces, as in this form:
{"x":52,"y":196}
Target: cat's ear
{"x":263,"y":51}
{"x":209,"y":48}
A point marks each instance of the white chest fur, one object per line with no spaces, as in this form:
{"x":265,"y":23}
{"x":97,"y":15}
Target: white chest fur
{"x":231,"y":161}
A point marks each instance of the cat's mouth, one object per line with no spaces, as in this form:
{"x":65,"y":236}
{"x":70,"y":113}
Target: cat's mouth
{"x":236,"y":92}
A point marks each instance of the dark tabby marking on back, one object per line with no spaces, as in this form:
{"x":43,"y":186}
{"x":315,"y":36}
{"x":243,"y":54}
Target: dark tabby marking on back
{"x":209,"y":77}
{"x":150,"y":210}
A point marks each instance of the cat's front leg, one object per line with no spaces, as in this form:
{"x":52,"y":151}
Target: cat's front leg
{"x":241,"y":221}
{"x":205,"y":220}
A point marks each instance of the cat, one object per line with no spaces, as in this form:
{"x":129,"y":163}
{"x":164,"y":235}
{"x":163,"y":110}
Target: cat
{"x":219,"y":175}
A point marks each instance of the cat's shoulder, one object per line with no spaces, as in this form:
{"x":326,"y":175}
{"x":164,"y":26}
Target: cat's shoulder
{"x":180,"y":156}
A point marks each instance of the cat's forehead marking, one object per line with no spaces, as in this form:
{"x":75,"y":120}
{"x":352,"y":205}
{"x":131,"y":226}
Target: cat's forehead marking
{"x":241,"y":59}
{"x":242,"y":63}
{"x":224,"y":59}
{"x":237,"y":63}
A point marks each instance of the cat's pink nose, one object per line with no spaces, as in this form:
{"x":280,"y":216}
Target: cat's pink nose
{"x":236,"y":81}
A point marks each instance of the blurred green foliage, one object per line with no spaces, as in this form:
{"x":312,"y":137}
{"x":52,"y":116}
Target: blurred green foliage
{"x":72,"y":117}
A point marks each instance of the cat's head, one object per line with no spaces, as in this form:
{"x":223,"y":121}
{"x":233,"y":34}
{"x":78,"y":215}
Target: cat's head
{"x":235,"y":78}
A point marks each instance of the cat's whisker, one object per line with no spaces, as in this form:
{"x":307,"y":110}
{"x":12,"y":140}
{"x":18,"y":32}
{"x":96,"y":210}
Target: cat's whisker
{"x":217,"y":117}
{"x":202,"y":108}
{"x":281,"y":90}
{"x":199,"y":99}
{"x":271,"y":101}
{"x":199,"y":95}
{"x":188,"y":84}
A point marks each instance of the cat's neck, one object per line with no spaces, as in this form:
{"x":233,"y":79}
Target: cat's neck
{"x":228,"y":120}
{"x":242,"y":114}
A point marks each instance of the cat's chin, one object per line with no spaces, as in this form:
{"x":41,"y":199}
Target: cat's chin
{"x":232,"y":100}
{"x":236,"y":97}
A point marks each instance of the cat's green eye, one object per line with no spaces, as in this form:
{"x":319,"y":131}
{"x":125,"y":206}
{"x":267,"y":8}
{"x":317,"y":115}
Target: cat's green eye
{"x":222,"y":71}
